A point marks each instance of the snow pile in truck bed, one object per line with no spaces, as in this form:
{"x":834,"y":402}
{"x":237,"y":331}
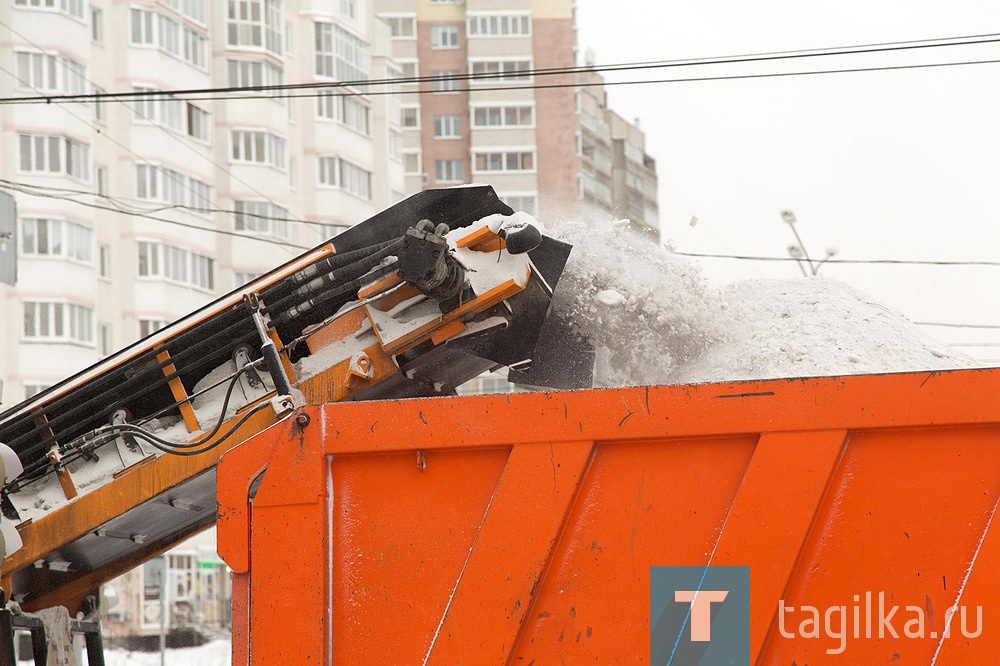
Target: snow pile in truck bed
{"x":654,"y":320}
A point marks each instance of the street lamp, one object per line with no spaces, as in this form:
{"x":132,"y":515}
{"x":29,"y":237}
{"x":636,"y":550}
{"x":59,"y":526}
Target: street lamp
{"x":798,"y":251}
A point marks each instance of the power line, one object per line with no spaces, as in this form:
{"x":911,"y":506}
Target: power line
{"x":126,"y":203}
{"x":129,"y":150}
{"x":156,"y":218}
{"x":888,"y":262}
{"x":956,"y":325}
{"x":221,"y":92}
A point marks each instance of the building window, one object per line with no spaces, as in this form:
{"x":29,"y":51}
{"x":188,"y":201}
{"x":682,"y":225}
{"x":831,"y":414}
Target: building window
{"x":339,"y":54}
{"x":255,"y":24}
{"x":241,"y":278}
{"x":48,"y":153}
{"x":332,"y":229}
{"x":96,"y":25}
{"x":192,"y":9}
{"x":46,"y":237}
{"x":176,"y":264}
{"x":105,"y":341}
{"x":258,"y":146}
{"x":194,"y":47}
{"x":444,"y":80}
{"x":411,"y":69}
{"x":349,"y":110}
{"x":410,"y":116}
{"x":402,"y":27}
{"x":411,"y":162}
{"x":502,"y":70}
{"x":395,"y":145}
{"x":503,"y":116}
{"x":101,"y":180}
{"x":43,"y":72}
{"x":151,"y":28}
{"x":256,"y":74}
{"x":100,"y":106}
{"x":198,"y":123}
{"x":58,"y":321}
{"x":447,"y":127}
{"x":74,"y":8}
{"x":634,"y":153}
{"x":356,"y":180}
{"x":327,"y":171}
{"x":449,"y":171}
{"x":349,"y":8}
{"x":31,"y":389}
{"x":444,"y":37}
{"x":159,"y":109}
{"x":527,"y":203}
{"x":261,"y":217}
{"x":514,"y":160}
{"x":104,"y":261}
{"x":149,"y":326}
{"x":499,"y":25}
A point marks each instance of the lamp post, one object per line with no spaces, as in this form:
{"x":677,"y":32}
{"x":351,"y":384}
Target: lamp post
{"x":798,"y":251}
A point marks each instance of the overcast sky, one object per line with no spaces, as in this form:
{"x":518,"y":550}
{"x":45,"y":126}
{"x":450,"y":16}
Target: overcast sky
{"x":881,"y":165}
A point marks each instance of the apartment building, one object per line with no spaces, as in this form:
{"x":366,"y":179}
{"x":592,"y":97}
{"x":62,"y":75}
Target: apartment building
{"x":132,"y":213}
{"x":479,"y":107}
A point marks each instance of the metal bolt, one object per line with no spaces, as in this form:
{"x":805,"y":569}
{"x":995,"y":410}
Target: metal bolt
{"x":302,"y":420}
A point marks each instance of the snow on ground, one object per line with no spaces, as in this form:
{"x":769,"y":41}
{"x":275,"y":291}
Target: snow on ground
{"x":654,"y":320}
{"x":216,"y":653}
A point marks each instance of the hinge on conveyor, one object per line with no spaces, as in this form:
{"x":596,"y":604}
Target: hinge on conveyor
{"x":268,"y":350}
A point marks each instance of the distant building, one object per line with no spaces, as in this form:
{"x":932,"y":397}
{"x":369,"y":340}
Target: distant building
{"x":230,"y":185}
{"x":551,"y":151}
{"x":189,"y":581}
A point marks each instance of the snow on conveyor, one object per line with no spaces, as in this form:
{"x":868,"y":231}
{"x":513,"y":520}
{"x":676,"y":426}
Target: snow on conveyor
{"x":654,"y":319}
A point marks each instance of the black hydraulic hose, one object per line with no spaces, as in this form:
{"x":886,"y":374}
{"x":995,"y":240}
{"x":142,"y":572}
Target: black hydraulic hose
{"x":153,"y":370}
{"x":43,"y":463}
{"x":306,"y":306}
{"x":109,"y":408}
{"x":325,"y":265}
{"x":333,"y":278}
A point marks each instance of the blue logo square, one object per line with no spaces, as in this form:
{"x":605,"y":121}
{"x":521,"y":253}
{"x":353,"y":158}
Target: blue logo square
{"x":699,"y":616}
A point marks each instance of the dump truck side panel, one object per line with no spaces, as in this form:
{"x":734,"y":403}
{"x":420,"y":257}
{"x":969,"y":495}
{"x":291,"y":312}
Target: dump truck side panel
{"x":506,"y":529}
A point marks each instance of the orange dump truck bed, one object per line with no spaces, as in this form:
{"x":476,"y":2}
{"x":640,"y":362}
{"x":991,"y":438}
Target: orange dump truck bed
{"x":521,"y":529}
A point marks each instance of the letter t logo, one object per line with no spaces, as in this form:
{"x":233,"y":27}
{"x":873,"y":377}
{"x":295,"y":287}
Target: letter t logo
{"x":701,"y":610}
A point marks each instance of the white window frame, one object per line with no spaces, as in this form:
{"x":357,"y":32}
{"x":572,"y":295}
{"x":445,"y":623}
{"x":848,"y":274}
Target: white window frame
{"x":397,"y":22}
{"x":445,"y":36}
{"x":72,"y":8}
{"x":58,"y":238}
{"x":258,"y":146}
{"x":53,"y":154}
{"x":50,"y":72}
{"x":410,"y":156}
{"x":174,"y":264}
{"x":498,"y":24}
{"x":441,"y":84}
{"x":448,"y":127}
{"x":444,"y":171}
{"x":340,"y":54}
{"x":355,"y":179}
{"x":506,"y":157}
{"x":255,"y":25}
{"x":500,"y":69}
{"x":260,"y":217}
{"x":62,"y":321}
{"x":503,"y":112}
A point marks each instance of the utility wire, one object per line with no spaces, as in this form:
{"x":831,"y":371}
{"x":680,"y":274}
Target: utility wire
{"x":956,"y":325}
{"x":133,"y":110}
{"x":989,"y":38}
{"x":125,"y":202}
{"x":156,"y":218}
{"x":888,"y":262}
